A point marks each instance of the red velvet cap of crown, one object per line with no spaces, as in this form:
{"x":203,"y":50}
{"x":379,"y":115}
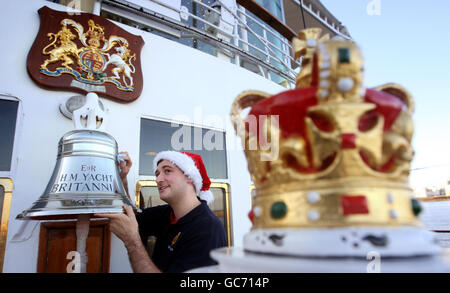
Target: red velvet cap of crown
{"x":292,"y":106}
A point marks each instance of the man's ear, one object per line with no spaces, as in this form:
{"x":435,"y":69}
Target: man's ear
{"x":189,"y":180}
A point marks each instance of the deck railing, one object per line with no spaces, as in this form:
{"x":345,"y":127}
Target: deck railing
{"x":249,"y":39}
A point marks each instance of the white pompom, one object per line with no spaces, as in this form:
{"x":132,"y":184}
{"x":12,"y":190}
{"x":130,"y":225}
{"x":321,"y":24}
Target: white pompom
{"x":206,"y":196}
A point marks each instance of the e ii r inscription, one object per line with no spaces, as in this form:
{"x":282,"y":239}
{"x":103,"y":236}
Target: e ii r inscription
{"x":88,"y":180}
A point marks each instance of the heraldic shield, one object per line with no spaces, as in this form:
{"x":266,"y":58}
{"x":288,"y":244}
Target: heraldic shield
{"x":86,"y":53}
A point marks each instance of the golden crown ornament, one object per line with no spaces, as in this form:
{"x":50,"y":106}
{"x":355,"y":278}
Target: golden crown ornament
{"x":335,"y":180}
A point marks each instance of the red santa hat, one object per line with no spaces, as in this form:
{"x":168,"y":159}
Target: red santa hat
{"x":192,"y":166}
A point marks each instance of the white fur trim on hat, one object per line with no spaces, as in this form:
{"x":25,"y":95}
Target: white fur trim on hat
{"x":187,"y":165}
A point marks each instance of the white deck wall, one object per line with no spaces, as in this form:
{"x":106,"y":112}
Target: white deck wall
{"x":178,"y":80}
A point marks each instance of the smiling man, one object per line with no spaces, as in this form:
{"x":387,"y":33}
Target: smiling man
{"x":186,"y":229}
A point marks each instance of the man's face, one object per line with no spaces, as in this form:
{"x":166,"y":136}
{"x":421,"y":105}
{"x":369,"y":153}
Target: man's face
{"x":171,"y":181}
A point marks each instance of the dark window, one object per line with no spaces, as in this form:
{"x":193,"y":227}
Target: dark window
{"x":157,"y":136}
{"x":274,"y":6}
{"x":8,"y":116}
{"x":218,"y":206}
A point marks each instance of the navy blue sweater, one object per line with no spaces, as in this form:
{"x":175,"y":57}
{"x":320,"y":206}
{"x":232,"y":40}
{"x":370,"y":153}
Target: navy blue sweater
{"x":185,"y":244}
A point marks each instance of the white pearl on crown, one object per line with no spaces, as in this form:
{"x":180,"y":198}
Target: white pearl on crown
{"x":345,"y":84}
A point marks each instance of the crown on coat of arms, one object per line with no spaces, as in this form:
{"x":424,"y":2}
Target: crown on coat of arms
{"x":329,"y":153}
{"x":95,"y":34}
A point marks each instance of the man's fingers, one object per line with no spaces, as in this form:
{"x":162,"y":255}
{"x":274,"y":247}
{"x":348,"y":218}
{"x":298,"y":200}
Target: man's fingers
{"x":109,"y":215}
{"x":126,"y":157}
{"x":123,"y":165}
{"x":103,"y":215}
{"x":128,"y":210}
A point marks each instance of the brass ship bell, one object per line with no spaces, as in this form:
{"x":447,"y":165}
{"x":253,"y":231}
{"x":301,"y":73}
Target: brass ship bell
{"x":86,"y":177}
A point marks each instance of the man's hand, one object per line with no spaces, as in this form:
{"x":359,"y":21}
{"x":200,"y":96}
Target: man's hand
{"x":125,"y":165}
{"x":124,"y":225}
{"x":126,"y":228}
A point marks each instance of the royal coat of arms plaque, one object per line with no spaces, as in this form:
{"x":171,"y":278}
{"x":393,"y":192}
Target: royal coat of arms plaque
{"x":86,"y":53}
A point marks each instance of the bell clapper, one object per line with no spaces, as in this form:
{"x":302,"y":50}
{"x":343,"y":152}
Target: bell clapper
{"x":82,"y":231}
{"x":91,"y":113}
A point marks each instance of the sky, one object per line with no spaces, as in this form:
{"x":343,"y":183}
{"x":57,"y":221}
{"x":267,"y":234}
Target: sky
{"x":408,"y":42}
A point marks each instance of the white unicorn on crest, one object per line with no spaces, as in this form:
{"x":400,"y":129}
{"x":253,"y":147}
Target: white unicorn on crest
{"x":119,"y":61}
